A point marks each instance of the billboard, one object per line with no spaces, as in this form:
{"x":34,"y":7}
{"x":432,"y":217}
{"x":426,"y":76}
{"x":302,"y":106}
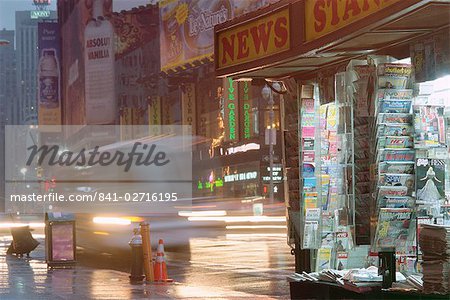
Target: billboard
{"x":49,"y":74}
{"x":187,"y":27}
{"x":99,"y":71}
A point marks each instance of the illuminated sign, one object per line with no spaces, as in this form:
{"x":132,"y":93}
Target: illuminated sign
{"x":241,"y":176}
{"x":254,"y":40}
{"x":231,"y":120}
{"x":325,"y":16}
{"x":277,"y":174}
{"x":188,"y":106}
{"x":243,"y":148}
{"x":246,"y":110}
{"x":38,"y":14}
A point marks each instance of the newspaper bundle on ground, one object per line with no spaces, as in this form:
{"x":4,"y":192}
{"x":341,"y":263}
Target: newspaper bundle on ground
{"x":435,"y":245}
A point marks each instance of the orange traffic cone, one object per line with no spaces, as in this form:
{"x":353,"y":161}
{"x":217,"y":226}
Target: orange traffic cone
{"x":160,"y":268}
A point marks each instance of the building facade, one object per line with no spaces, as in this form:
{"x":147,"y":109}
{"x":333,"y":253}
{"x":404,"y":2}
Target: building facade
{"x":27,"y":60}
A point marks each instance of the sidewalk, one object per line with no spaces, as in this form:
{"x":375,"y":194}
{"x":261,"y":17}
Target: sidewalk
{"x":22,"y":278}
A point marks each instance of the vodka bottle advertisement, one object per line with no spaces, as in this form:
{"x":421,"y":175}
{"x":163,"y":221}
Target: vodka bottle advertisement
{"x":99,"y":68}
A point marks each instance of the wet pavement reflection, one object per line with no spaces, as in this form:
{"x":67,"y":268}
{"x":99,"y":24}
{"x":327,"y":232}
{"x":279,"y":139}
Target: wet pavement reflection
{"x":245,"y":265}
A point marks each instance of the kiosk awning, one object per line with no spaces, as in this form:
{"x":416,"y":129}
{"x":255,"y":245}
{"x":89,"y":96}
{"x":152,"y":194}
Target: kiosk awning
{"x":321,"y":33}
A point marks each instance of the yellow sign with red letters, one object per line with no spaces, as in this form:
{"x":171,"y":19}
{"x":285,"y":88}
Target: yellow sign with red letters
{"x":254,"y":40}
{"x":325,"y":16}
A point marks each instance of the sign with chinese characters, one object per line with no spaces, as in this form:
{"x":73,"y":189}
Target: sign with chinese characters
{"x":253,"y":40}
{"x":326,"y":16}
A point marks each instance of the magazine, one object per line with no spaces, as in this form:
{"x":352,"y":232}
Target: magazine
{"x":394,"y":118}
{"x":392,"y":82}
{"x":342,"y":260}
{"x":396,"y":202}
{"x":310,"y":234}
{"x":395,"y":130}
{"x":392,"y":191}
{"x":342,"y":241}
{"x":394,"y":106}
{"x":396,"y":168}
{"x":309,"y":156}
{"x":393,"y":69}
{"x":308,"y":144}
{"x":327,"y":239}
{"x":396,"y":155}
{"x":429,"y":126}
{"x":307,"y":105}
{"x":307,"y":120}
{"x":323,"y":259}
{"x":395,"y":142}
{"x":430,"y":184}
{"x":308,"y":170}
{"x":388,"y":94}
{"x":393,"y":228}
{"x":388,"y":179}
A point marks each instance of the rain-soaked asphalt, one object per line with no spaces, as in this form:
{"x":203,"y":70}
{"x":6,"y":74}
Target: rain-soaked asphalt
{"x":218,"y":264}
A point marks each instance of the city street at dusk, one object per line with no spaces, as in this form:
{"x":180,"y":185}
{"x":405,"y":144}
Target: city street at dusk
{"x":224,"y":149}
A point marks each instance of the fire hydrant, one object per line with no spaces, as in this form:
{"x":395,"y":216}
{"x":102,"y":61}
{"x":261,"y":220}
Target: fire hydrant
{"x":137,"y":257}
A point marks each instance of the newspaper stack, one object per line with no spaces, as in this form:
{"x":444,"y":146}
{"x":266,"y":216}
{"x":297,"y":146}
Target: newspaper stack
{"x":435,"y":246}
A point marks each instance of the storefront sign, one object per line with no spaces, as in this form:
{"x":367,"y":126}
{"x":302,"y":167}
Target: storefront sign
{"x":49,"y":75}
{"x":245,"y":92}
{"x":241,"y":176}
{"x":325,"y":16}
{"x":254,"y":40}
{"x":99,"y":72}
{"x":188,"y":106}
{"x":231,"y":110}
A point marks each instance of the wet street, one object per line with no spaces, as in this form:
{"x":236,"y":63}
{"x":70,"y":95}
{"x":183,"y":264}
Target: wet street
{"x":213,"y":264}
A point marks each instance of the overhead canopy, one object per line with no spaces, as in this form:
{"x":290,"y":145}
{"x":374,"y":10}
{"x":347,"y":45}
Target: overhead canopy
{"x":322,"y":33}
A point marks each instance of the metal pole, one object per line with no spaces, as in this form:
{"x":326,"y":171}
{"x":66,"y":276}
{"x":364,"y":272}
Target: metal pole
{"x":271,"y":117}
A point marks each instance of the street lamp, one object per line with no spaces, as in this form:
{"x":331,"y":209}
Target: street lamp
{"x":267,"y":94}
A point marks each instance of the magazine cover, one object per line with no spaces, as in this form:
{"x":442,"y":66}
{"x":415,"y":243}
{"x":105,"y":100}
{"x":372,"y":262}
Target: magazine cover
{"x":393,"y":228}
{"x":394,"y":106}
{"x":429,"y":126}
{"x":396,"y":155}
{"x":342,"y":260}
{"x":342,"y":242}
{"x":430,"y":184}
{"x":395,"y":142}
{"x":327,"y":239}
{"x":310,"y":234}
{"x":394,"y":130}
{"x":308,"y":156}
{"x":392,"y":82}
{"x":388,"y":94}
{"x":388,"y":179}
{"x":393,"y":118}
{"x":396,"y":168}
{"x":307,"y":120}
{"x":397,"y":202}
{"x":391,"y":191}
{"x":309,"y":184}
{"x":393,"y":69}
{"x":307,"y":105}
{"x":308,"y":144}
{"x":323,"y":259}
{"x":308,"y":170}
